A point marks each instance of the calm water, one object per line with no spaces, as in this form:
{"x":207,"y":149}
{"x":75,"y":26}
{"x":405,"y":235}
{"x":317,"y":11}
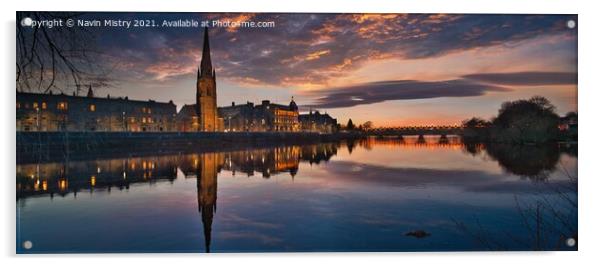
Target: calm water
{"x":370,"y":195}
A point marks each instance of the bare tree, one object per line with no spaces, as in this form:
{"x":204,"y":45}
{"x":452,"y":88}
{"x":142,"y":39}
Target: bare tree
{"x":60,"y":58}
{"x":550,"y":221}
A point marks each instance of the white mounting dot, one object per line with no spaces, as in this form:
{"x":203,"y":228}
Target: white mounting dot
{"x":571,"y":242}
{"x":26,"y":22}
{"x":27,"y":244}
{"x":571,"y":24}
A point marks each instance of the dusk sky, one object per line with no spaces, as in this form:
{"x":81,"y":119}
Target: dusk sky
{"x":392,"y":69}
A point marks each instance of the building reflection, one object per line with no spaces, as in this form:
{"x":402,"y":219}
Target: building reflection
{"x":73,"y":177}
{"x":207,"y":167}
{"x":268,"y":162}
{"x":62,"y":178}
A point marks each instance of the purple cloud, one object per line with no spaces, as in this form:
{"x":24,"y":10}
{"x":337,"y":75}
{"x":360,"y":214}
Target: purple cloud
{"x":526,"y":78}
{"x":381,"y":91}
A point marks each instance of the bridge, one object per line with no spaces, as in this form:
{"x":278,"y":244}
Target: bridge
{"x":419,"y":131}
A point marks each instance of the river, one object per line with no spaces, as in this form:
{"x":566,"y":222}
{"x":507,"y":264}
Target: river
{"x":375,"y":194}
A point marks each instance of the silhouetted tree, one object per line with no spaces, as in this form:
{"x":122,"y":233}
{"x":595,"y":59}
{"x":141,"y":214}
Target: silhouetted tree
{"x":367,"y":125}
{"x":571,"y":116}
{"x":476,"y":129}
{"x":523,"y":121}
{"x":350,"y":125}
{"x":476,"y":122}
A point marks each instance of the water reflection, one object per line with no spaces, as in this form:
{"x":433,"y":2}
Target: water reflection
{"x":530,"y":161}
{"x":63,"y":178}
{"x":207,"y":166}
{"x":76,"y":176}
{"x":73,"y":176}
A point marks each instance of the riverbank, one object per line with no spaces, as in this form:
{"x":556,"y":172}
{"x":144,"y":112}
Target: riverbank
{"x":57,"y":146}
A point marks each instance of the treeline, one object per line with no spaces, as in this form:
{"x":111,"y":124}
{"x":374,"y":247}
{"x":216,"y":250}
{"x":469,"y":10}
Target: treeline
{"x":350,"y":126}
{"x":523,"y":121}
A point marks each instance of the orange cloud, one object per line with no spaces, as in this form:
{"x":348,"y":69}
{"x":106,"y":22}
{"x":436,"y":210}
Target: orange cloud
{"x":317,"y":55}
{"x":165,"y":70}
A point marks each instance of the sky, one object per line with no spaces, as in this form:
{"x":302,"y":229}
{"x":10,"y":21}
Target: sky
{"x":391,"y":69}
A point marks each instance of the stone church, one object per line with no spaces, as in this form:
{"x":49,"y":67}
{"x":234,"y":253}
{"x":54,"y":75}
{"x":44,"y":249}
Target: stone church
{"x":206,"y":92}
{"x":61,"y":112}
{"x":206,"y":116}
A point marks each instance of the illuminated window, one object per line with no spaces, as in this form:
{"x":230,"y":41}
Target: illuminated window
{"x":35,"y":105}
{"x":62,"y":106}
{"x":144,"y":120}
{"x":149,"y":110}
{"x":18,"y":105}
{"x":44,"y":105}
{"x":92,"y":108}
{"x":63,"y":184}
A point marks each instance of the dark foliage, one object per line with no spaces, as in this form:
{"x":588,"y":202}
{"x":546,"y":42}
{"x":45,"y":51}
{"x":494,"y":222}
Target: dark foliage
{"x":526,"y":121}
{"x":535,"y":162}
{"x":522,"y":121}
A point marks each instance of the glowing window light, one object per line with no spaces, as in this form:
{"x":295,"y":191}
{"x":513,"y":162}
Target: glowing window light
{"x":62,"y":106}
{"x":62,"y":184}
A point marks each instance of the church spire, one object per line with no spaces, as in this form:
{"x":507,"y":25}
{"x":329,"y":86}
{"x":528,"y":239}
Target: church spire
{"x":90,"y":92}
{"x":206,"y":67}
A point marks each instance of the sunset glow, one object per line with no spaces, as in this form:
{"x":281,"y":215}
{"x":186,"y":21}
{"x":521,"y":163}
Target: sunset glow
{"x":320,"y":59}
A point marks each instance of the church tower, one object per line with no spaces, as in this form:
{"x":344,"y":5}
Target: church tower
{"x":206,"y":98}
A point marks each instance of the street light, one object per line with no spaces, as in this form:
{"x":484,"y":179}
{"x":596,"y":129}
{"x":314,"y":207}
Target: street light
{"x":125,"y":127}
{"x":37,"y":119}
{"x":229,"y":124}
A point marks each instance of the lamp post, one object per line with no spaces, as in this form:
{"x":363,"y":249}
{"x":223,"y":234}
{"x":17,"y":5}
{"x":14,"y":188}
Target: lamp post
{"x":125,"y":126}
{"x":37,"y":119}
